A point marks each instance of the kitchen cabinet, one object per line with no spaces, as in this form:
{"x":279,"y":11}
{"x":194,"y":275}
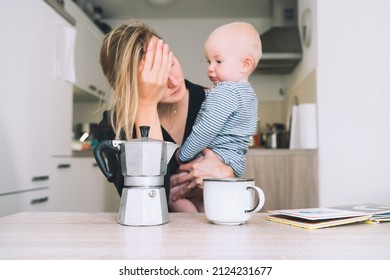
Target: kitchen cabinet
{"x":35,"y":116}
{"x":36,"y":200}
{"x":287,"y":177}
{"x":79,"y":185}
{"x":89,"y":38}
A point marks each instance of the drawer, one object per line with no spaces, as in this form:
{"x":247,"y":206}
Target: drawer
{"x":25,"y":201}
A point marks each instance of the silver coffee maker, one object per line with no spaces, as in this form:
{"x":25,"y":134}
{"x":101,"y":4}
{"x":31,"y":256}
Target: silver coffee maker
{"x":144,"y":163}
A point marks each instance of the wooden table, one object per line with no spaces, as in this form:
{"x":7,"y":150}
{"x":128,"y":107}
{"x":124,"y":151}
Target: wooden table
{"x":80,"y":236}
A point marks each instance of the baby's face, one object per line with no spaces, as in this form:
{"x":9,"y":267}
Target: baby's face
{"x":225,"y":58}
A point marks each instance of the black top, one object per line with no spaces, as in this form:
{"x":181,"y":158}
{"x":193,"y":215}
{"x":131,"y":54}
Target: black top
{"x":106,"y":132}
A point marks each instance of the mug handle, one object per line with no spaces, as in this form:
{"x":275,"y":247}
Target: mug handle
{"x":260,"y":196}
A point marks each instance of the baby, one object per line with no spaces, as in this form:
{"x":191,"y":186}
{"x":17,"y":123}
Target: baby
{"x":228,"y":116}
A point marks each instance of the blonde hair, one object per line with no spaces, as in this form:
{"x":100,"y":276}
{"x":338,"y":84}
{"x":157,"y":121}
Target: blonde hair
{"x":122,"y":51}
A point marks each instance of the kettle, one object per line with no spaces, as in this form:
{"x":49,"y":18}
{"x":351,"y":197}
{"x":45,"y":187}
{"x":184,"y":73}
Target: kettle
{"x":144,"y":163}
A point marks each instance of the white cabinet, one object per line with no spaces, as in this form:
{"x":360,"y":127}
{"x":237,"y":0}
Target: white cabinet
{"x":79,"y":185}
{"x":89,"y":38}
{"x":36,"y":104}
{"x":36,"y":117}
{"x":61,"y":192}
{"x":33,"y":200}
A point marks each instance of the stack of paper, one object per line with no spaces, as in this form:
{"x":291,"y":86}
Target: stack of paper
{"x":378,"y":212}
{"x":315,"y":218}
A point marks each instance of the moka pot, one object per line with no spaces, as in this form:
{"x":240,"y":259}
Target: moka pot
{"x":144,"y":163}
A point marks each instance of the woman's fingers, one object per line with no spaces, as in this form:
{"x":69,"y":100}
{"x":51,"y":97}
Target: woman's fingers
{"x":154,"y":70}
{"x":180,"y":179}
{"x":158,"y":56}
{"x":189,"y":166}
{"x":149,"y":55}
{"x":181,"y":184}
{"x":168,"y":62}
{"x":181,"y":192}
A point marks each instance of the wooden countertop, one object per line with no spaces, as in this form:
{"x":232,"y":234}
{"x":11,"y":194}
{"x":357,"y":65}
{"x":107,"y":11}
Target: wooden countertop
{"x":253,"y":151}
{"x":95,"y":236}
{"x":259,"y":151}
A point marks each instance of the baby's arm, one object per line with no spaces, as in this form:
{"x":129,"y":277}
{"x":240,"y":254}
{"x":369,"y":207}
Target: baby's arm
{"x":221,"y":102}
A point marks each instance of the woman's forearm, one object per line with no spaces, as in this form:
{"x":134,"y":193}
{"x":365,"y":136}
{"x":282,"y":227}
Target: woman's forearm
{"x":153,"y":79}
{"x":147,"y":115}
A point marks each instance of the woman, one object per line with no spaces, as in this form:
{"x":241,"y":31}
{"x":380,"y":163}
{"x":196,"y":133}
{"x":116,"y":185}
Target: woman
{"x":149,"y":89}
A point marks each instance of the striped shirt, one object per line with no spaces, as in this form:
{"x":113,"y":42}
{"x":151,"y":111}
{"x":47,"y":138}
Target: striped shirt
{"x":225,"y":122}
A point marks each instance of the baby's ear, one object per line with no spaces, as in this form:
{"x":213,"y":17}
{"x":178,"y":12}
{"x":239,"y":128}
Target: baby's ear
{"x":248,"y":64}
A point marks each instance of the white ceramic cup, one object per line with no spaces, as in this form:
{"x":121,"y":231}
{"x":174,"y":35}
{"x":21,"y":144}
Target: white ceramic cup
{"x":231,"y":201}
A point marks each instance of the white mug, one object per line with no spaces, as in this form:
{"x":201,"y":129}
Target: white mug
{"x":231,"y":201}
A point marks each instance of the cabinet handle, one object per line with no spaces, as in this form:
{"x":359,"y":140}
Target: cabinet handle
{"x":92,"y":87}
{"x":63,"y":165}
{"x":39,"y":200}
{"x":39,"y":178}
{"x":94,"y":164}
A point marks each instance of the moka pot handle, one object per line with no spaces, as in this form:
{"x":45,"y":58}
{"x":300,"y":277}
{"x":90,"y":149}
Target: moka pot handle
{"x":112,"y":145}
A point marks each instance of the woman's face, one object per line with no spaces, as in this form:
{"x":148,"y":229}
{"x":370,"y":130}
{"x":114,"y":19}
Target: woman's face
{"x":176,"y":89}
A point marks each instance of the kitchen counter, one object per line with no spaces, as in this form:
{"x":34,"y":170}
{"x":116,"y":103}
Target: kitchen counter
{"x":36,"y":235}
{"x":88,"y":153}
{"x":253,"y":151}
{"x":260,"y":151}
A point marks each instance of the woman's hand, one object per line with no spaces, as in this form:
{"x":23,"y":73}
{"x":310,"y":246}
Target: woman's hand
{"x":153,"y":73}
{"x":191,"y":175}
{"x":154,"y":70}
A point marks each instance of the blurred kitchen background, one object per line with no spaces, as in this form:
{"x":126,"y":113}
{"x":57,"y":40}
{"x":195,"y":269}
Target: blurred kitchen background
{"x":185,"y":25}
{"x":322,"y":81}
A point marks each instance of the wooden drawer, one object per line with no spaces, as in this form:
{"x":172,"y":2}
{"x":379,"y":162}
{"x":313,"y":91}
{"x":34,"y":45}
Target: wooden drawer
{"x":288,"y":177}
